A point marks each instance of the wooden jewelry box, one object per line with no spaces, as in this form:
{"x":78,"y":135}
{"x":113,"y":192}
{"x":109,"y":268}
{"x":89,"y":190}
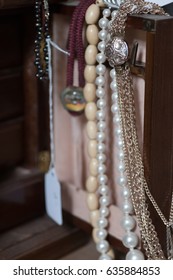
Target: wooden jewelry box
{"x":24,"y":129}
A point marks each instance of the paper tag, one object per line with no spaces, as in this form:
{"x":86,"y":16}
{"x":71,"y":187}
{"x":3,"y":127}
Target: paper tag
{"x":53,"y":199}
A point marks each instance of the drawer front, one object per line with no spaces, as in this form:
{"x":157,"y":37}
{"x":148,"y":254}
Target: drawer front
{"x":11,"y":143}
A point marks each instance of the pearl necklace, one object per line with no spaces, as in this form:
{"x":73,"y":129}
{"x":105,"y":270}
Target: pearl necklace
{"x":130,"y":239}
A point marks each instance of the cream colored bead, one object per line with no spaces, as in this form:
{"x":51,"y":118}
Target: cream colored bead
{"x":94,"y":235}
{"x":89,"y":92}
{"x":91,"y":129}
{"x":92,"y":148}
{"x":100,"y":3}
{"x":93,"y":167}
{"x":92,"y":34}
{"x":111,"y":253}
{"x":91,"y":184}
{"x":92,"y":14}
{"x":90,"y":54}
{"x":90,"y":111}
{"x":92,"y":201}
{"x":94,"y":216}
{"x":90,"y":73}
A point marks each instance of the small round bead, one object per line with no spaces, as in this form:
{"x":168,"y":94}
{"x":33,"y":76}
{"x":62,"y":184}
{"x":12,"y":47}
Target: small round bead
{"x":106,"y":12}
{"x":100,"y":81}
{"x":89,"y":92}
{"x":91,"y":129}
{"x":101,"y":168}
{"x":90,"y":73}
{"x":101,"y":157}
{"x":113,"y":86}
{"x":122,"y":181}
{"x":127,"y":207}
{"x":100,"y":69}
{"x":104,"y":211}
{"x":100,"y":92}
{"x":102,"y":246}
{"x":92,"y":201}
{"x":100,"y":115}
{"x":93,"y":166}
{"x":101,"y":103}
{"x":130,"y":240}
{"x":91,"y":184}
{"x":102,"y":179}
{"x":90,"y":111}
{"x":101,"y":46}
{"x":100,"y":57}
{"x":100,"y":136}
{"x":103,"y":189}
{"x":105,"y":257}
{"x":101,"y":125}
{"x":125,"y":192}
{"x":103,"y":22}
{"x":101,"y":147}
{"x":113,"y":73}
{"x":92,"y":34}
{"x":115,"y":108}
{"x":92,"y":148}
{"x":101,"y":233}
{"x":135,"y":255}
{"x":92,"y":14}
{"x":91,"y":54}
{"x":102,"y":34}
{"x":102,"y":222}
{"x":115,"y":96}
{"x":128,"y":222}
{"x":104,"y":200}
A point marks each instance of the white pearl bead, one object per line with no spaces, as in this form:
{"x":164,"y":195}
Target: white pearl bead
{"x":100,"y":69}
{"x":105,"y":257}
{"x":100,"y":57}
{"x":106,"y":12}
{"x":113,"y":73}
{"x":101,"y":233}
{"x":100,"y":81}
{"x":104,"y":200}
{"x":90,"y":54}
{"x":115,"y":108}
{"x":121,"y":154}
{"x":101,"y":158}
{"x":101,"y":103}
{"x":101,"y":125}
{"x":115,"y":96}
{"x":101,"y":46}
{"x":128,"y":222}
{"x":89,"y":92}
{"x":103,"y":190}
{"x":127,"y":207}
{"x":104,"y":211}
{"x":103,"y":22}
{"x":100,"y":136}
{"x":120,"y":142}
{"x":102,"y":34}
{"x":102,"y":179}
{"x":122,"y":181}
{"x":100,"y":92}
{"x":114,"y":13}
{"x":100,"y":115}
{"x":92,"y":34}
{"x":118,"y":131}
{"x":101,"y":147}
{"x":91,"y":128}
{"x":101,"y":168}
{"x":102,"y":222}
{"x":121,"y":166}
{"x":92,"y":148}
{"x":102,"y":246}
{"x":125,"y":192}
{"x":117,"y":120}
{"x":130,"y":240}
{"x":92,"y":201}
{"x":113,"y":86}
{"x":92,"y":14}
{"x":135,"y":255}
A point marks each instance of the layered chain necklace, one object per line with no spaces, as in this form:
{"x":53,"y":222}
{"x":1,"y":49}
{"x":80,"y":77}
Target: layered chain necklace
{"x":135,"y":191}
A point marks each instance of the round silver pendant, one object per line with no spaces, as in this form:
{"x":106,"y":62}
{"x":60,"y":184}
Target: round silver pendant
{"x":116,"y":51}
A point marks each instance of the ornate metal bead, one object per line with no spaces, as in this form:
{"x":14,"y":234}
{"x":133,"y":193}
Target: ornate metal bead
{"x":116,"y":51}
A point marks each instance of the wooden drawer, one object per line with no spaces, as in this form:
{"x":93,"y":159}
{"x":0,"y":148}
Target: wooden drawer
{"x":11,"y":99}
{"x":11,"y":143}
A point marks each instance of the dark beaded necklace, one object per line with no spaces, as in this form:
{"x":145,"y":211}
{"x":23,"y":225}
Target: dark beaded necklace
{"x":72,"y":97}
{"x":42,"y":34}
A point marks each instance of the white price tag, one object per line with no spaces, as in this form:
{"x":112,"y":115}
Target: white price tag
{"x":53,"y":196}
